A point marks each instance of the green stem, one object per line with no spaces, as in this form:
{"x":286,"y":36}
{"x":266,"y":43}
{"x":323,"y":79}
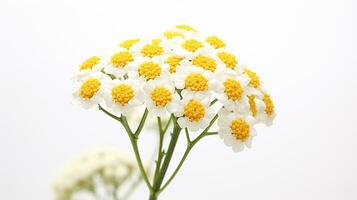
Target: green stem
{"x":153,"y":196}
{"x":109,"y":114}
{"x":204,"y":132}
{"x":174,"y":137}
{"x":134,"y":144}
{"x":168,"y":124}
{"x":160,"y":153}
{"x":141,"y":124}
{"x":190,"y":145}
{"x":133,"y":141}
{"x":188,"y":149}
{"x":213,"y":102}
{"x":160,"y":171}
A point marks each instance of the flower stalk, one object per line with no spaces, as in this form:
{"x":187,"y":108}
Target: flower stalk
{"x":163,"y":159}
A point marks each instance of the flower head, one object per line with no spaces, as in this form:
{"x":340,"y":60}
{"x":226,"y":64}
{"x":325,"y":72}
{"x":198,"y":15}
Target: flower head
{"x":179,"y":75}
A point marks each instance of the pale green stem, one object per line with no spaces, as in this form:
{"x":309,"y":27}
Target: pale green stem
{"x":133,"y":140}
{"x":134,"y":144}
{"x":190,"y":145}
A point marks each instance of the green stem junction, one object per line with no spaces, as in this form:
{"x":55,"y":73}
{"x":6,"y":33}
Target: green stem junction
{"x":163,"y":157}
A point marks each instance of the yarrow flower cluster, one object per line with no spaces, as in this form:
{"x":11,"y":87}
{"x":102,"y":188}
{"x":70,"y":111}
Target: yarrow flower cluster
{"x":180,"y":73}
{"x":108,"y":165}
{"x":185,"y":79}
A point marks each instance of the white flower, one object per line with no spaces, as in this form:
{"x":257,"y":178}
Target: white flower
{"x":90,"y":65}
{"x":89,"y":89}
{"x":231,"y":90}
{"x":186,"y":30}
{"x":117,"y":62}
{"x":194,"y":80}
{"x":148,"y":48}
{"x":235,"y":129}
{"x":262,"y":108}
{"x":194,"y":112}
{"x":94,"y":63}
{"x":204,"y":57}
{"x":193,"y":47}
{"x":145,"y":69}
{"x":122,"y":96}
{"x":255,"y":84}
{"x":228,"y":60}
{"x":161,"y":98}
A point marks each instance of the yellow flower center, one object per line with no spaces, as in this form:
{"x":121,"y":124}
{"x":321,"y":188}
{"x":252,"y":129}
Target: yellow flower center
{"x":194,"y":110}
{"x":120,"y":59}
{"x":252,"y":105}
{"x":185,"y":27}
{"x":215,"y":42}
{"x":89,"y":63}
{"x":269,"y":105}
{"x":196,"y":82}
{"x":151,"y":50}
{"x":205,"y":62}
{"x":172,"y":34}
{"x":233,"y":89}
{"x":254,"y":79}
{"x":240,"y":129}
{"x":161,"y":96}
{"x":129,"y":43}
{"x":89,"y":88}
{"x":173,"y":61}
{"x":228,"y":59}
{"x":149,"y":70}
{"x":192,"y":45}
{"x":122,"y":93}
{"x":156,"y":41}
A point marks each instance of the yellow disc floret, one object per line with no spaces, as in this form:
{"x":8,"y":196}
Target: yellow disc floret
{"x":89,"y":88}
{"x":252,"y":105}
{"x":172,"y":34}
{"x":127,"y":44}
{"x":228,"y":59}
{"x":194,"y":110}
{"x":89,"y":63}
{"x":215,"y":42}
{"x":173,"y":61}
{"x":161,"y":96}
{"x":254,"y":79}
{"x":196,"y":82}
{"x":240,"y":129}
{"x":151,"y":50}
{"x":122,"y":93}
{"x":120,"y":59}
{"x":269,"y":105}
{"x":192,"y":45}
{"x":185,"y":27}
{"x":205,"y":62}
{"x":156,"y":41}
{"x":233,"y":89}
{"x":149,"y":70}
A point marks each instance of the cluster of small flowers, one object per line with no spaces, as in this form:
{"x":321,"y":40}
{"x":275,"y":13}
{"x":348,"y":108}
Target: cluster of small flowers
{"x":78,"y":174}
{"x":180,"y":73}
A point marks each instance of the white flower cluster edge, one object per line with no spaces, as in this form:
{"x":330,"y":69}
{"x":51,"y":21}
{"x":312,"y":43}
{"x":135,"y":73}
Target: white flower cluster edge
{"x":78,"y":174}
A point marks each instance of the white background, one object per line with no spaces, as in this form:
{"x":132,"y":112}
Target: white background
{"x":305,"y":51}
